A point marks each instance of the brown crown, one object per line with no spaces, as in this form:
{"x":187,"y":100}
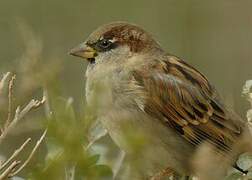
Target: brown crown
{"x":135,"y":37}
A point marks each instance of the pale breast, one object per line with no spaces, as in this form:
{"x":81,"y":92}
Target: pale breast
{"x":120,"y":108}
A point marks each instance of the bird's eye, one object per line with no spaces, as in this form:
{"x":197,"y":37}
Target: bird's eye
{"x":104,"y":44}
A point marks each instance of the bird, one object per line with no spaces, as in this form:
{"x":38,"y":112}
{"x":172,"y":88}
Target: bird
{"x":139,"y":90}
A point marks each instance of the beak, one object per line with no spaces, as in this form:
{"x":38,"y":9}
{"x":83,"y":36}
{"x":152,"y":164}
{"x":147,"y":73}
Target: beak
{"x":83,"y":51}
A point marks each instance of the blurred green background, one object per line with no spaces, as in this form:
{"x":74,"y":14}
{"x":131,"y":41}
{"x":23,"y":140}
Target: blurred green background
{"x":214,"y":36}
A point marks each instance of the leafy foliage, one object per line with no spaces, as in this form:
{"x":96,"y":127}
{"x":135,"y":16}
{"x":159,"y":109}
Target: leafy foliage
{"x":67,"y":157}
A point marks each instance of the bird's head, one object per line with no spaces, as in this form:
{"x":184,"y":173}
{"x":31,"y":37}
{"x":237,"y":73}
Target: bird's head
{"x":115,"y":41}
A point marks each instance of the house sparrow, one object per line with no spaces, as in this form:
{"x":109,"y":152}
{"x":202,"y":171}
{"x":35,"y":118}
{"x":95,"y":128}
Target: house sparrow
{"x":139,"y":89}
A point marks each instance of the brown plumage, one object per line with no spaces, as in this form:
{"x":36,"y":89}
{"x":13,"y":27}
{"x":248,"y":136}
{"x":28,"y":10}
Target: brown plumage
{"x":188,"y":104}
{"x":171,"y":103}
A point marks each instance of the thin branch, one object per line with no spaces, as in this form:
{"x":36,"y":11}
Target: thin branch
{"x":10,"y":94}
{"x":11,"y":168}
{"x":30,"y":156}
{"x":33,"y":104}
{"x":48,"y":110}
{"x":118,"y":165}
{"x":3,"y":80}
{"x":96,"y":132}
{"x":15,"y":154}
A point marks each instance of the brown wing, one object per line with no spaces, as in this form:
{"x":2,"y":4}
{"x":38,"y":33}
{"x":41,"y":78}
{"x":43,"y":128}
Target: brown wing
{"x":183,"y":99}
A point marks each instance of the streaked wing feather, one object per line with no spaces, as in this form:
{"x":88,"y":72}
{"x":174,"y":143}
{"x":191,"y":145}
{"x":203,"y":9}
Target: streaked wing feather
{"x":183,"y":99}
